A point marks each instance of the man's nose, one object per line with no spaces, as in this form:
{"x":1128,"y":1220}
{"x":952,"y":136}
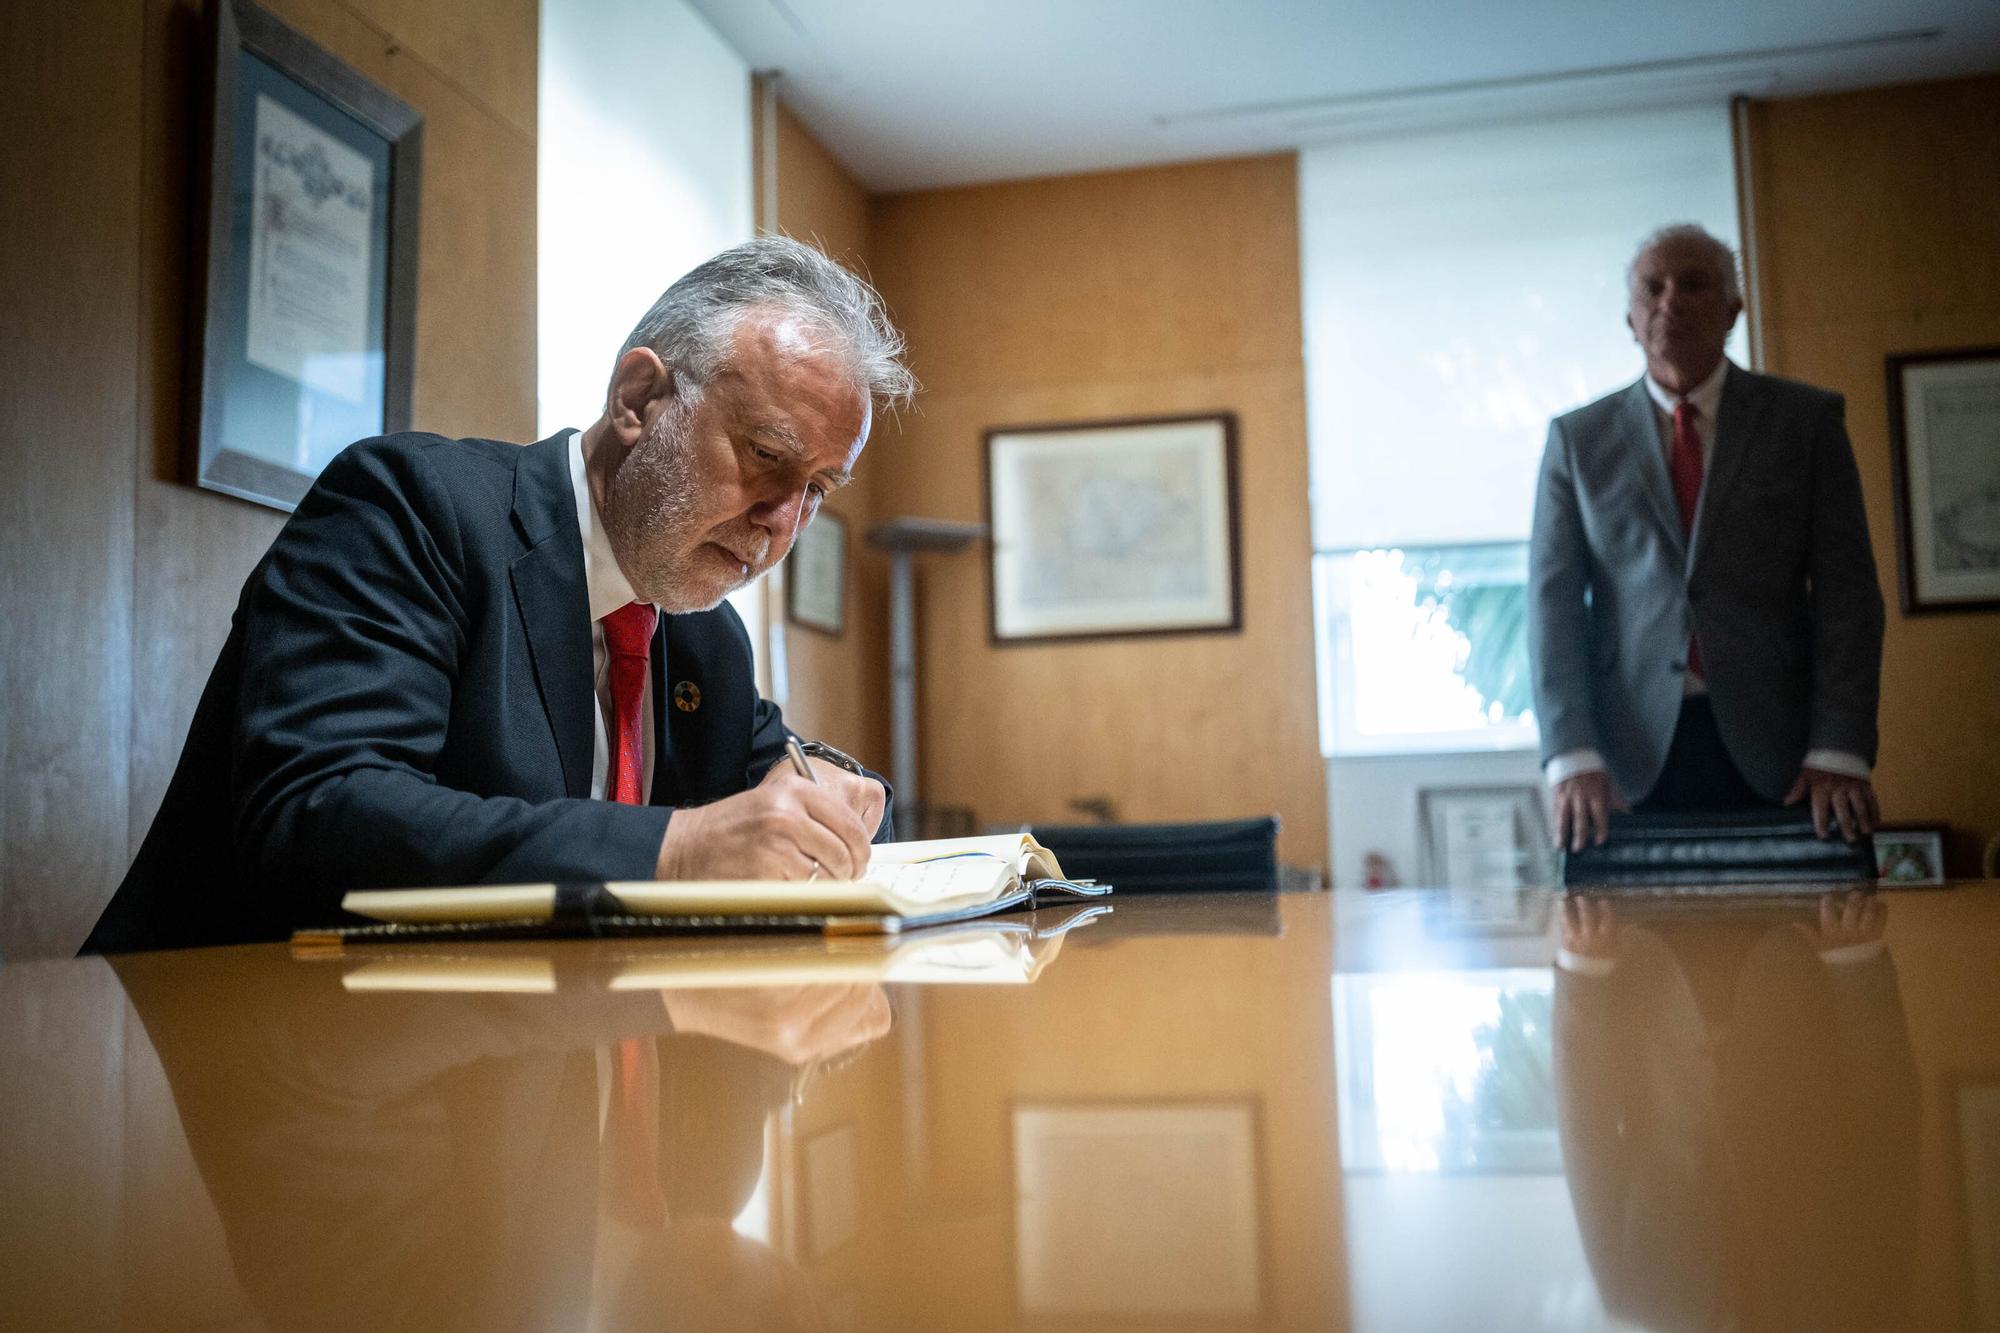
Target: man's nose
{"x":780,"y":511}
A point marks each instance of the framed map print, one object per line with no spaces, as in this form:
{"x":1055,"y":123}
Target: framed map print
{"x":303,"y":327}
{"x":1113,"y":528}
{"x":1944,"y":433}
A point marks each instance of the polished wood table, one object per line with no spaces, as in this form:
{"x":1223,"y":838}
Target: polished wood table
{"x":1411,"y":1110}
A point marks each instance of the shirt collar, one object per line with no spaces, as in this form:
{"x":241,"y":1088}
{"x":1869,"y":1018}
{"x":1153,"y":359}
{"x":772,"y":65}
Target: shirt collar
{"x":609,"y":588}
{"x":1706,"y":396}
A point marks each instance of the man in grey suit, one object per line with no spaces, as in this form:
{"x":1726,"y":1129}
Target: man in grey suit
{"x":1704,"y":619}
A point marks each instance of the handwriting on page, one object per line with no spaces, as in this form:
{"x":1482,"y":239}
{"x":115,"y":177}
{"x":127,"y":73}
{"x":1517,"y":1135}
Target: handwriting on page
{"x":936,"y":880}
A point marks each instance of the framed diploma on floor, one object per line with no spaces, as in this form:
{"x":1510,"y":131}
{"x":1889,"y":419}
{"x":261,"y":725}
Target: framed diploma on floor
{"x":303,"y":318}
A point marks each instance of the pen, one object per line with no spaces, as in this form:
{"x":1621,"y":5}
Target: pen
{"x":798,"y":754}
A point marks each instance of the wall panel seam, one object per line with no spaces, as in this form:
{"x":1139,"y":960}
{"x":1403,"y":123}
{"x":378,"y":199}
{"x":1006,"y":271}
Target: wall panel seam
{"x":399,"y":47}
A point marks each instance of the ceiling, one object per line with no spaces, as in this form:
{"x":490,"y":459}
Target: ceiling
{"x":911,"y":94}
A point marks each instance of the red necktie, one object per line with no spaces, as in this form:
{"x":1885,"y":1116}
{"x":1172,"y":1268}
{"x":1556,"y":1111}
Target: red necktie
{"x":1685,"y":465}
{"x":628,"y":640}
{"x":630,"y":1131}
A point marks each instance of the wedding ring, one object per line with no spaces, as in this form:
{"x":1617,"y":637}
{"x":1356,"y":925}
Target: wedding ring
{"x":815,"y":873}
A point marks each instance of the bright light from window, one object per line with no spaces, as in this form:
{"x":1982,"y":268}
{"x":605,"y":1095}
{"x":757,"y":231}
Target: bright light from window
{"x":1424,"y":648}
{"x":1446,"y":1072}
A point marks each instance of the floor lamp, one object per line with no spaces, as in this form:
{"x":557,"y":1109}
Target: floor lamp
{"x":904,"y":539}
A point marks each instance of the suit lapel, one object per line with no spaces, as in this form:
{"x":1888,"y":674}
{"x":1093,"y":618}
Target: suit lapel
{"x":1640,"y":423}
{"x":1736,"y":429}
{"x":706,"y":705}
{"x":667,"y":784}
{"x":554,"y":603}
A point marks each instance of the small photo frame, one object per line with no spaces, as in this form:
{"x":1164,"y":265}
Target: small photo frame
{"x":303,"y":324}
{"x":1944,"y":435}
{"x":816,"y":575}
{"x":1113,"y":528}
{"x":1909,"y":855}
{"x":1484,"y":840}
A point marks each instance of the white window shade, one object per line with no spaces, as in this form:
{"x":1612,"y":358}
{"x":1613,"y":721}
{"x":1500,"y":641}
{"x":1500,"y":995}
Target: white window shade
{"x":644,"y":162}
{"x":1461,"y":288}
{"x":644,"y":171}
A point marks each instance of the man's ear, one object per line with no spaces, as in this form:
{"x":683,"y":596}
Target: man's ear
{"x":639,"y":380}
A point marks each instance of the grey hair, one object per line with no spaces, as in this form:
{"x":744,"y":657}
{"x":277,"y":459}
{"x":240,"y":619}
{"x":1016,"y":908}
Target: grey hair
{"x":691,"y":325}
{"x":1725,"y":254}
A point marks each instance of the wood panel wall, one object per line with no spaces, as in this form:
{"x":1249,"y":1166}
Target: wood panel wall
{"x":1877,"y":219}
{"x":1158,"y":291}
{"x":116,"y":579}
{"x":837,"y":685}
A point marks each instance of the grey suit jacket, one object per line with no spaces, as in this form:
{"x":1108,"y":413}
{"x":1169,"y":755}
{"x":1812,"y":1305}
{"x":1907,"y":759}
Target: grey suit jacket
{"x":1778,"y":583}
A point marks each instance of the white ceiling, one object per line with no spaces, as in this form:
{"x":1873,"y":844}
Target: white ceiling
{"x":910,"y":94}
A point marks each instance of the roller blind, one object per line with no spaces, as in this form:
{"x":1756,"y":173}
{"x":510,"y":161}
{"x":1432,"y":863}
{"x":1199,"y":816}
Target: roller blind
{"x":1461,"y":288}
{"x":644,"y":149}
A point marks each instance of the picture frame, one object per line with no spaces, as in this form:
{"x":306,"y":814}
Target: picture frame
{"x":1944,"y":439}
{"x":816,"y":575}
{"x":1088,"y":1178}
{"x":1978,"y":1124}
{"x":1114,"y":528}
{"x":1911,"y":855}
{"x":302,"y":310}
{"x":1476,"y":841}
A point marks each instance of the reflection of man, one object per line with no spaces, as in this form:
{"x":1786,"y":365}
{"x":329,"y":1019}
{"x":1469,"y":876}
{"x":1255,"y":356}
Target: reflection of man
{"x":1705,"y":623}
{"x":485,"y":1160}
{"x":406,"y":696}
{"x":1738,"y":1105}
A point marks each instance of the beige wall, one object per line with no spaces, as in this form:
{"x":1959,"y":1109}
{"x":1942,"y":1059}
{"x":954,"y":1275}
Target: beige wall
{"x":118,"y":578}
{"x":1878,"y":232}
{"x":1160,"y":291}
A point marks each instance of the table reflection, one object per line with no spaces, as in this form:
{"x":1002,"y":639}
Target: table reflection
{"x":1739,"y":1114}
{"x":1386,"y":1111}
{"x":489,"y":1160}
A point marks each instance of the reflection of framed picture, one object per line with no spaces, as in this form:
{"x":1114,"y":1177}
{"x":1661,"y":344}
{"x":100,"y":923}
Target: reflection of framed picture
{"x":1125,"y":527}
{"x":1483,"y":839}
{"x":1909,"y":855}
{"x":1979,"y":1161}
{"x":1138,"y":1209}
{"x":304,"y":331}
{"x":1944,"y":432}
{"x":831,"y":1194}
{"x":816,"y":574}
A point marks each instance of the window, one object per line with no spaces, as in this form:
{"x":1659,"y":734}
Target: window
{"x":1460,"y":289}
{"x":1424,"y":647}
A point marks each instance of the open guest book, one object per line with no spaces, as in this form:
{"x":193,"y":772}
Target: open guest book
{"x":908,"y":884}
{"x":993,"y":951}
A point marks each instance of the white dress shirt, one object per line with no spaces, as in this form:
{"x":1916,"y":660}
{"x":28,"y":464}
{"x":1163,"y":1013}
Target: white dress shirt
{"x":1706,"y":399}
{"x":609,"y":590}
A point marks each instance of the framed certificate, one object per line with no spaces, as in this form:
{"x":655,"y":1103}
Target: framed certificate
{"x":303,"y":327}
{"x":816,"y":575}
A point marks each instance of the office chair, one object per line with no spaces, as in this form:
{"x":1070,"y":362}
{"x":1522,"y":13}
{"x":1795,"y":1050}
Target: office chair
{"x":1234,"y":854}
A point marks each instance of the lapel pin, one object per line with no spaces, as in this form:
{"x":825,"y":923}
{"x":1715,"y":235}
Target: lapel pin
{"x":687,"y":696}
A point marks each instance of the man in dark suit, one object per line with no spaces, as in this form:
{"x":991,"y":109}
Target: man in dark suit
{"x":1704,"y":619}
{"x":464,"y":661}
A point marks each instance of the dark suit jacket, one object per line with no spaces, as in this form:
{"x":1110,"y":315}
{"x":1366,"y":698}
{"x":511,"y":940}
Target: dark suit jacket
{"x":1778,"y":582}
{"x":406,"y":698}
